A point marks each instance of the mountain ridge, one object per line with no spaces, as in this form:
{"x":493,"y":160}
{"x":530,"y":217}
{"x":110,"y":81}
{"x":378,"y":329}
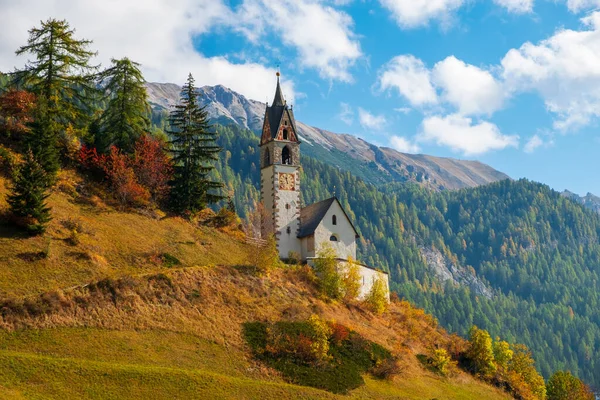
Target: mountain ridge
{"x":378,"y":165}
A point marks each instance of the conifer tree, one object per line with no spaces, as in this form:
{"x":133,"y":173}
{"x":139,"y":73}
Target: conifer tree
{"x":194,"y":153}
{"x":60,"y":75}
{"x":126,"y":117}
{"x":28,"y":198}
{"x":42,"y":143}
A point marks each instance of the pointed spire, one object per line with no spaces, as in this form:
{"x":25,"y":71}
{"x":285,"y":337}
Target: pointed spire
{"x":278,"y":100}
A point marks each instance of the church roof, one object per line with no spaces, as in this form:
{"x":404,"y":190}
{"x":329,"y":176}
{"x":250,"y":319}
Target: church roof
{"x":278,"y":100}
{"x":312,"y":215}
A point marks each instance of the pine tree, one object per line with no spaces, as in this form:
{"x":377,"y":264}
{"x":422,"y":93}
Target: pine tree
{"x":194,"y":153}
{"x":42,"y":143}
{"x":27,"y":200}
{"x":60,"y":76}
{"x":126,"y":117}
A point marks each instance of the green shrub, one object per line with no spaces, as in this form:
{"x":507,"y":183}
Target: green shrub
{"x":326,"y":267}
{"x":169,"y":260}
{"x":317,"y":353}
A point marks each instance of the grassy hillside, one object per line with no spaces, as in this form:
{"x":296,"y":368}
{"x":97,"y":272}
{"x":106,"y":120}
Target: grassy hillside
{"x":103,"y":313}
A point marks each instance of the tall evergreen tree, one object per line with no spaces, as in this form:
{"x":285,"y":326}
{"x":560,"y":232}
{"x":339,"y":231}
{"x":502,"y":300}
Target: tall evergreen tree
{"x":127,"y":116}
{"x":27,"y":200}
{"x":194,"y":154}
{"x":41,"y":140}
{"x":60,"y":75}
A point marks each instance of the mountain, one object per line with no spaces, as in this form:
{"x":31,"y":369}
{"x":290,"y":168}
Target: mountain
{"x":378,"y":165}
{"x":589,"y":200}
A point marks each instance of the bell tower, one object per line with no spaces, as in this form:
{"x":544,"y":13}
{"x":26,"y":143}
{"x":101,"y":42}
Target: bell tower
{"x":280,"y":175}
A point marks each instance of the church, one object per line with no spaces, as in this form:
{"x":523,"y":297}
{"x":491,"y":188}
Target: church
{"x":300,"y":231}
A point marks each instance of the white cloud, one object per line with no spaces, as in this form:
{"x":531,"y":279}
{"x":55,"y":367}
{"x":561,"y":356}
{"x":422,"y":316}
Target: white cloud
{"x":322,"y":35}
{"x":471,"y":90}
{"x":346,"y":114}
{"x":516,"y":6}
{"x":533,"y":143}
{"x":370,"y":121}
{"x":410,"y":77}
{"x":158,"y":34}
{"x":563,"y":69}
{"x":461,"y":135}
{"x":404,"y":145}
{"x":415,"y":13}
{"x":403,"y":110}
{"x":581,"y":5}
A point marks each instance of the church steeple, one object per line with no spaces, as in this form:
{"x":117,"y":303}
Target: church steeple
{"x":278,"y":100}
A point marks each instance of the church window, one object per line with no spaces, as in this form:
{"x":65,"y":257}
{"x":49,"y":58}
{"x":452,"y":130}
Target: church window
{"x":333,"y":238}
{"x":267,"y":158}
{"x":289,"y":230}
{"x":287,"y":206}
{"x":285,"y":134}
{"x":286,"y":157}
{"x":334,"y":220}
{"x":285,"y":123}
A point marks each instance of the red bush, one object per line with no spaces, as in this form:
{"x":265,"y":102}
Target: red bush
{"x":339,"y":333}
{"x":153,"y":167}
{"x":122,"y":178}
{"x":16,"y":111}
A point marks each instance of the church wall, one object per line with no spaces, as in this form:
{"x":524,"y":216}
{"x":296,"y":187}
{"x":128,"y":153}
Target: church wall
{"x":346,"y":245}
{"x":287,"y":216}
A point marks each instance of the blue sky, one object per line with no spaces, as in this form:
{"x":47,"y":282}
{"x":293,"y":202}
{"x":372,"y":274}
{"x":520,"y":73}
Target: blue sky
{"x":513,"y":83}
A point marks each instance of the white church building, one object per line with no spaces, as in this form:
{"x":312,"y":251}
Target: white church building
{"x":299,"y":230}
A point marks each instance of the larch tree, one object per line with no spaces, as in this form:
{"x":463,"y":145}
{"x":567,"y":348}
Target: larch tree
{"x":194,"y":153}
{"x":126,"y":117}
{"x":27,"y":199}
{"x":61,"y":77}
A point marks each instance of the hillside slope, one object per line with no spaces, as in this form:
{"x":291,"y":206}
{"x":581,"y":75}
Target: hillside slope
{"x":100,"y":316}
{"x":347,"y":152}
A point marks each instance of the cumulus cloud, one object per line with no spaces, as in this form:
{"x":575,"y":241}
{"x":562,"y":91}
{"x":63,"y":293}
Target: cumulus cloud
{"x":581,"y":5}
{"x":404,"y":145}
{"x":470,"y":89}
{"x":563,"y":69}
{"x":516,"y":6}
{"x":370,"y":121}
{"x":160,"y":35}
{"x":346,"y":114}
{"x":410,"y":77}
{"x":322,"y":35}
{"x":462,"y":135}
{"x":416,"y":13}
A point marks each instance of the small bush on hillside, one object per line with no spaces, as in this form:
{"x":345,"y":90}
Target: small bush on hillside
{"x":266,"y":256}
{"x":351,"y":281}
{"x":387,"y":369}
{"x":564,"y":386}
{"x":326,"y":267}
{"x":169,"y":260}
{"x":440,"y":361}
{"x":317,"y":353}
{"x":480,"y":353}
{"x":377,"y":300}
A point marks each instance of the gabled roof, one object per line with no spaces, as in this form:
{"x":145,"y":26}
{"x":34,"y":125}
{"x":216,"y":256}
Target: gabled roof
{"x":311,"y":216}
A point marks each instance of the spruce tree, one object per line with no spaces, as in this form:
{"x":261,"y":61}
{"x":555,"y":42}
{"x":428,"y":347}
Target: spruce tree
{"x":60,"y":75}
{"x":27,"y":200}
{"x":41,"y":141}
{"x":126,"y":117}
{"x":194,"y":153}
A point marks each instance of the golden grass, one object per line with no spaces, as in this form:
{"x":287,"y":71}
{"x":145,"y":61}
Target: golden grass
{"x":110,"y":243}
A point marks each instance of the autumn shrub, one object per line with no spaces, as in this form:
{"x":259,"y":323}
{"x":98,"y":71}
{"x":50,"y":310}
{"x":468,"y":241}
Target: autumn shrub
{"x":326,"y":267}
{"x":440,"y":361}
{"x":318,"y":353}
{"x":351,"y":281}
{"x":386,"y":368}
{"x":152,"y":166}
{"x":377,"y":298}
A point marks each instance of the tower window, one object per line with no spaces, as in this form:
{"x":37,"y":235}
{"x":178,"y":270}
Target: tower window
{"x":285,"y":123}
{"x":289,"y":230}
{"x":334,"y":220}
{"x":333,"y":238}
{"x":285,"y":134}
{"x":287,"y":206}
{"x":286,"y":157}
{"x":267,"y":157}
